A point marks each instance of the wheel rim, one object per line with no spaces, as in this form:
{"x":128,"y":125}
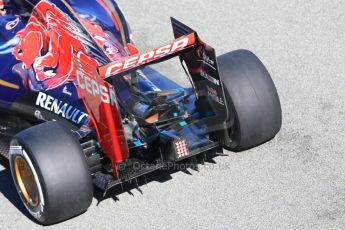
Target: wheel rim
{"x":26,"y":181}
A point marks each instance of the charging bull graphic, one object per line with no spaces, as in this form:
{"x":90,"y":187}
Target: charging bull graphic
{"x":49,"y":45}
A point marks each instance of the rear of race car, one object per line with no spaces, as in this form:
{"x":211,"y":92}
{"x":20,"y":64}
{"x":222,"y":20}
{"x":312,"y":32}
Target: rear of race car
{"x":115,"y":118}
{"x":160,"y":124}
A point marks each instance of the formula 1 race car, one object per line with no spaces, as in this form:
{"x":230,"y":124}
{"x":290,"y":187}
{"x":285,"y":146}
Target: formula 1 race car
{"x":81,"y":106}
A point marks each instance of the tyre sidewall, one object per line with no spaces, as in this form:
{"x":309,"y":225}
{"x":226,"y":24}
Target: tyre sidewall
{"x":17,"y":149}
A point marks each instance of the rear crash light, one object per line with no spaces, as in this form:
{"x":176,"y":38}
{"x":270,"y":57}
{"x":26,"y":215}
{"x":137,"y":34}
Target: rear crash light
{"x":173,"y":147}
{"x":181,"y":148}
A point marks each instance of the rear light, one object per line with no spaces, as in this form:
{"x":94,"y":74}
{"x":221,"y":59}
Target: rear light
{"x":181,"y":148}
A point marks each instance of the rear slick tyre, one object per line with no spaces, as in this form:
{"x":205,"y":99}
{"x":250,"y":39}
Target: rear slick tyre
{"x":50,"y":173}
{"x":252,"y":96}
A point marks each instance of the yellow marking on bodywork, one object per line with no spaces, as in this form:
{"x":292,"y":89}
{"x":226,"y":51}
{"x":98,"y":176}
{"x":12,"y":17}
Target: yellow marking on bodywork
{"x":9,"y":85}
{"x":118,"y":19}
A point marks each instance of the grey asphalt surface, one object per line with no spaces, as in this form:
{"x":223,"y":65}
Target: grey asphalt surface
{"x":296,"y":181}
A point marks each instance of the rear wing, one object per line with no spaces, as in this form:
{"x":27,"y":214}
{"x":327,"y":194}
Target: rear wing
{"x":197,"y":58}
{"x":135,"y":62}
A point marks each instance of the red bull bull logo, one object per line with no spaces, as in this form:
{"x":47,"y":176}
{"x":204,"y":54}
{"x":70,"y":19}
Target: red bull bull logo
{"x":51,"y":41}
{"x":48,"y":44}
